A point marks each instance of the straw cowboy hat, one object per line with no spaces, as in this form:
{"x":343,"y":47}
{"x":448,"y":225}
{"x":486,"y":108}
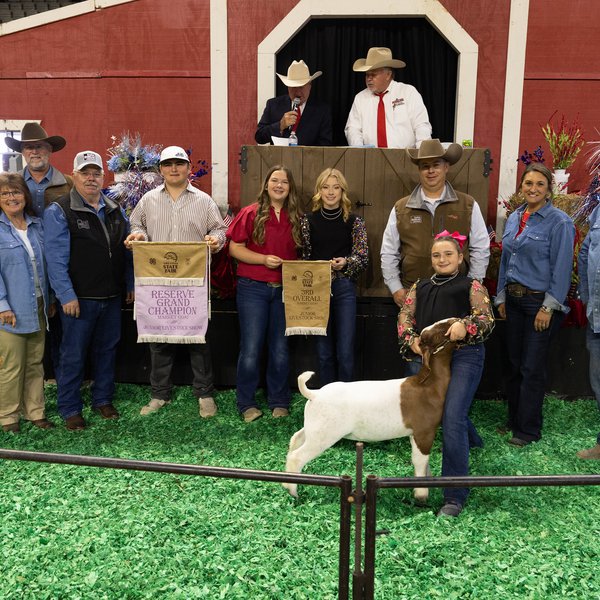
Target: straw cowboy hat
{"x":32,"y":132}
{"x":377,"y":58}
{"x":298,"y":74}
{"x":434,"y":149}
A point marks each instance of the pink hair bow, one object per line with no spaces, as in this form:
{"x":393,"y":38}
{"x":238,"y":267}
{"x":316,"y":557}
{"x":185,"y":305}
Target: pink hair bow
{"x":461,"y":239}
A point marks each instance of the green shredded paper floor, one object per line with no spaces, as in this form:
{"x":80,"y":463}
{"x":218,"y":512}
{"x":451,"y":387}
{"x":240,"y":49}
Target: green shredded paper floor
{"x":79,"y":532}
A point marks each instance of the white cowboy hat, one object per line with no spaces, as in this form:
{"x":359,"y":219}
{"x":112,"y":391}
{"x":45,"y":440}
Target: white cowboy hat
{"x":434,"y":149}
{"x":377,"y":58}
{"x":298,"y":75}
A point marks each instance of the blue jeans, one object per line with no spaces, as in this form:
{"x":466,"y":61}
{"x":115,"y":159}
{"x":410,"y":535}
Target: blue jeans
{"x":262,"y":319}
{"x":336,"y":349}
{"x":97,"y":330}
{"x":593,"y":345}
{"x":458,"y":432}
{"x":528,"y":357}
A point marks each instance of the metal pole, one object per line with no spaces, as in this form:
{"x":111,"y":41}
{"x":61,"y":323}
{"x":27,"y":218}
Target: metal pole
{"x":346,"y":500}
{"x":358,"y":577}
{"x":370,"y":525}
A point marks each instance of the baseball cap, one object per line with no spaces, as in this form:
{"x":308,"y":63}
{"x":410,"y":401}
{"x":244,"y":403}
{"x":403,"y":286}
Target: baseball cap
{"x":171,"y":152}
{"x":85,"y":158}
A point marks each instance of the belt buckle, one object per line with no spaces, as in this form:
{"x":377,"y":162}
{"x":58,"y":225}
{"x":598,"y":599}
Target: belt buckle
{"x":516,"y":291}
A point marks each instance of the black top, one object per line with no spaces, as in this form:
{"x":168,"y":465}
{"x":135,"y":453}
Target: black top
{"x":435,"y":302}
{"x":330,"y":237}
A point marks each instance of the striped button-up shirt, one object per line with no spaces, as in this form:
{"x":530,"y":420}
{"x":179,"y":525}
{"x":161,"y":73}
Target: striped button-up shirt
{"x":188,"y":219}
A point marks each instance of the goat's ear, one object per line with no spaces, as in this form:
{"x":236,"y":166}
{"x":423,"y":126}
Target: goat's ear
{"x":426,"y":356}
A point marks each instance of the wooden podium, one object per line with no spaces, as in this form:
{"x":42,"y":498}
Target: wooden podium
{"x":377,"y":178}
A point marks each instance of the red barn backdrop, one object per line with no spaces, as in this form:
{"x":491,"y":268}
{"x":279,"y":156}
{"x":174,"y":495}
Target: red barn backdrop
{"x":145,"y":65}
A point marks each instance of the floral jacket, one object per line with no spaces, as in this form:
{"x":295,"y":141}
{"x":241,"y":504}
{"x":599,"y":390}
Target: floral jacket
{"x":479,"y":323}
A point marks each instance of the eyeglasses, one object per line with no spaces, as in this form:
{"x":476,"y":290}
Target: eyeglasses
{"x":89,"y":174}
{"x":374,"y":73}
{"x":13,"y":194}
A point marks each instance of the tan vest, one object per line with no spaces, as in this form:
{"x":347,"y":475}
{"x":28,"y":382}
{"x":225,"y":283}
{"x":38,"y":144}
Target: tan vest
{"x":53,"y":192}
{"x":417,"y":228}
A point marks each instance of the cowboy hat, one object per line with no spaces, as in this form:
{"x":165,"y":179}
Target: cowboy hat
{"x":434,"y":149}
{"x":377,"y":58}
{"x":298,"y":75}
{"x":32,"y":132}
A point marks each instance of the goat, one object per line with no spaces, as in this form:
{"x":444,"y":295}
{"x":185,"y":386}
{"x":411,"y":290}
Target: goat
{"x":373,"y":411}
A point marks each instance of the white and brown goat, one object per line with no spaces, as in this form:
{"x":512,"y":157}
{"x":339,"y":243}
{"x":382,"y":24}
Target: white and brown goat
{"x":373,"y":411}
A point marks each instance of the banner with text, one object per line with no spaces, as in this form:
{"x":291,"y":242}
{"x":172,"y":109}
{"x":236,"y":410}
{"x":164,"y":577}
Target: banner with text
{"x":306,"y":295}
{"x":172,"y":296}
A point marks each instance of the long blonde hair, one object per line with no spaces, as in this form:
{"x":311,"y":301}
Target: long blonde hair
{"x":291,"y":205}
{"x":317,"y":201}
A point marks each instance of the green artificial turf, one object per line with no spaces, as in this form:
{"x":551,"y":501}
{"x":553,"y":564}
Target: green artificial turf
{"x":76,"y":532}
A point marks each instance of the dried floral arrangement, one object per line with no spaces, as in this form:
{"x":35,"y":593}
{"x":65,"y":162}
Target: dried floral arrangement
{"x":565,"y":141}
{"x":137,"y":166}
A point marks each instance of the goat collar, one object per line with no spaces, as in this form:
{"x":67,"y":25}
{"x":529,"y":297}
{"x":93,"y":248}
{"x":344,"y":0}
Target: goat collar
{"x":441,"y":346}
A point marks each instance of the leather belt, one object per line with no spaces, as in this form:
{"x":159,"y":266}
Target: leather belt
{"x":516,"y":290}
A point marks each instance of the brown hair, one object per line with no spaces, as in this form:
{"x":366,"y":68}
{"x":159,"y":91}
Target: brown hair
{"x":317,"y":202}
{"x":538,"y":168}
{"x":14,"y":180}
{"x":447,"y":238}
{"x":291,"y":204}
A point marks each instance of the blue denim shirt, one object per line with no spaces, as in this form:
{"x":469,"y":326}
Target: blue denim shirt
{"x":541,"y":258}
{"x":589,"y":271}
{"x":17,"y":287}
{"x":38,"y":189}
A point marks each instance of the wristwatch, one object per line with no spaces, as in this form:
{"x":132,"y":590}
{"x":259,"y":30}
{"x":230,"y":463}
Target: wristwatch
{"x":547,"y":309}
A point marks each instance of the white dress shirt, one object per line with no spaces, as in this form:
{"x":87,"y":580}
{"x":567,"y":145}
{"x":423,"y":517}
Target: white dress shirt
{"x":407,"y":121}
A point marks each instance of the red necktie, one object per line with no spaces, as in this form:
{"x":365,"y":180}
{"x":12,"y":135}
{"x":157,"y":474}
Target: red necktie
{"x":381,"y":132}
{"x":298,"y":119}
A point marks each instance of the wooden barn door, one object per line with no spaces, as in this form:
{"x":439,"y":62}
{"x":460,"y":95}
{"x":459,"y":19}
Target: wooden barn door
{"x":377,"y":178}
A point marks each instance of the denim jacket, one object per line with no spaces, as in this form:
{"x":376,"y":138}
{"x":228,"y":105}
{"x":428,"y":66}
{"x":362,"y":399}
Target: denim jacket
{"x":589,"y":271}
{"x":17,"y":287}
{"x":541,"y":258}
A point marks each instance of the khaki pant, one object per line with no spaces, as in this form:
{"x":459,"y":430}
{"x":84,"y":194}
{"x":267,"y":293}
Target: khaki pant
{"x":22,"y":373}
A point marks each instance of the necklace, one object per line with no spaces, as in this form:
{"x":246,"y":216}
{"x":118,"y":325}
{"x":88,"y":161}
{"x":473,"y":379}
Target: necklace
{"x":434,"y":280}
{"x":331,"y":216}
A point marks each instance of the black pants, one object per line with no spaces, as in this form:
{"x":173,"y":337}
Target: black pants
{"x":162,"y":358}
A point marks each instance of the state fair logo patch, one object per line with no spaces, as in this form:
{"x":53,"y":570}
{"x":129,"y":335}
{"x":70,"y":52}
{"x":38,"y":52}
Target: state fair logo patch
{"x":416,"y":219}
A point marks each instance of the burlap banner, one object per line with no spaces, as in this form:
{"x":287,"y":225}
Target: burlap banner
{"x":172,"y":296}
{"x":306,"y":295}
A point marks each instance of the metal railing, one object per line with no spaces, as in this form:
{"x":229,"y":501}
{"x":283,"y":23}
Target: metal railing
{"x":375,"y":483}
{"x":363,"y":581}
{"x":344,"y":483}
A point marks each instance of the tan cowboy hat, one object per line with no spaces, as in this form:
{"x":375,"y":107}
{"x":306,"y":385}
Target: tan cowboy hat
{"x":377,"y":58}
{"x":434,"y":149}
{"x":32,"y":132}
{"x":298,"y":75}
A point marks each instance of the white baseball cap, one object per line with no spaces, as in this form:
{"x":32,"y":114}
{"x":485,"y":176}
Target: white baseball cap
{"x":171,"y":152}
{"x":85,"y":158}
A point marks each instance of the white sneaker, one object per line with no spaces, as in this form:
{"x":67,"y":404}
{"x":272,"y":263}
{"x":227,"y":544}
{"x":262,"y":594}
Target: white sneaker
{"x":154,"y":405}
{"x":208,"y":408}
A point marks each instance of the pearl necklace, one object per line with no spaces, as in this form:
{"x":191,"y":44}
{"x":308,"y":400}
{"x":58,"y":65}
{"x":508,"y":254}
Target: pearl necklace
{"x":435,"y":282}
{"x":331,"y":216}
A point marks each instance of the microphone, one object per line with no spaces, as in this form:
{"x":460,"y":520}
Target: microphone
{"x":295,"y":105}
